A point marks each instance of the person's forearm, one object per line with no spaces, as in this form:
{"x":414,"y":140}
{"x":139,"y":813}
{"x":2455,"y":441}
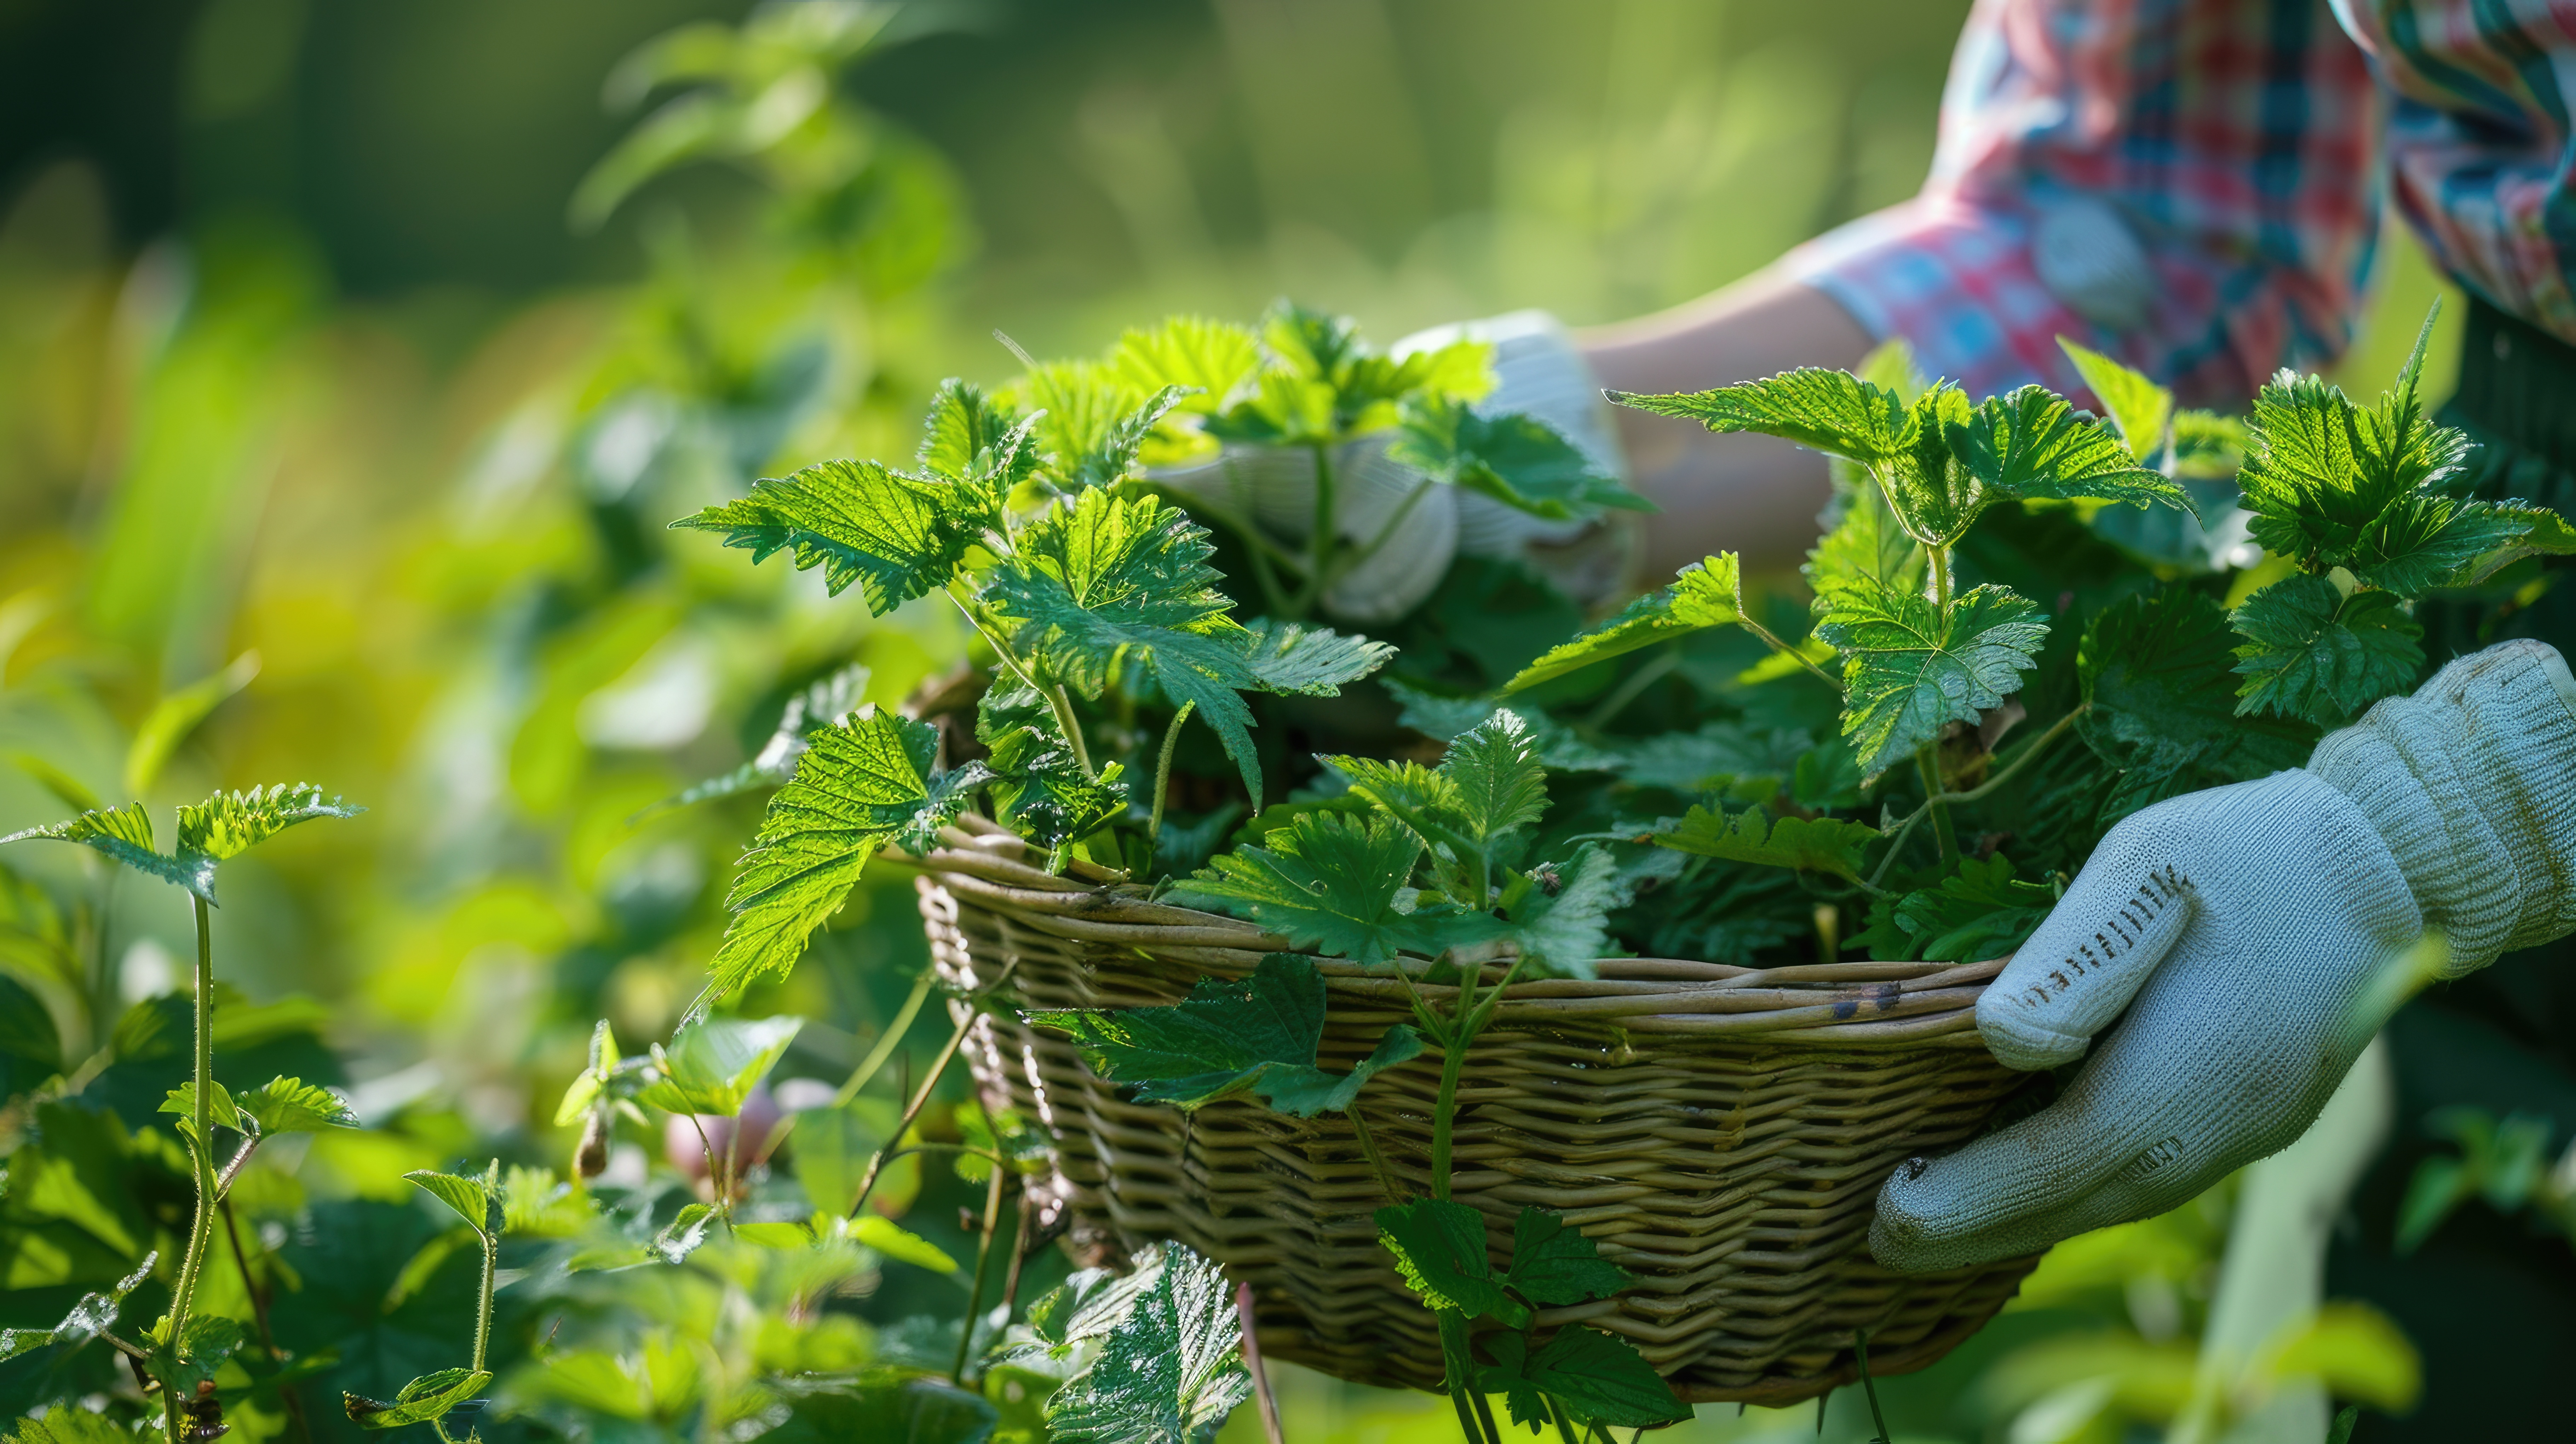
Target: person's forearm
{"x":1750,"y":494}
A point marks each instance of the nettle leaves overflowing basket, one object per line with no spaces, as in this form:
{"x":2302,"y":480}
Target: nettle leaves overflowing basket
{"x":1475,"y":993}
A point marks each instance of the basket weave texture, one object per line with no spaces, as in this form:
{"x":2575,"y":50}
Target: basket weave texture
{"x":1721,"y":1133}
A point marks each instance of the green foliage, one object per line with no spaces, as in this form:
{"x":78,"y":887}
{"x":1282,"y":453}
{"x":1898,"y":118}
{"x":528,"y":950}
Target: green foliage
{"x":1257,"y":1035}
{"x":471,"y":1199}
{"x":1596,"y":1376}
{"x":1704,"y":594}
{"x":895,"y":535}
{"x":1439,"y":1248}
{"x":1818,"y":844}
{"x":2158,"y":671}
{"x":1982,"y":911}
{"x":424,"y":1400}
{"x":2142,"y":410}
{"x":229,"y":824}
{"x":2503,"y":1162}
{"x":864,"y":782}
{"x":1518,"y":460}
{"x":1307,"y":660}
{"x":1500,"y":783}
{"x":94,"y":1315}
{"x":1326,"y":880}
{"x":712,"y":1064}
{"x":122,"y":833}
{"x":1168,"y":1368}
{"x":1911,"y":665}
{"x":1831,"y":411}
{"x":2313,"y":654}
{"x":820,"y":705}
{"x":2031,"y":444}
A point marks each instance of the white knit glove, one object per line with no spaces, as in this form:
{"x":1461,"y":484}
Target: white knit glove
{"x":2239,"y":929}
{"x":1536,"y":370}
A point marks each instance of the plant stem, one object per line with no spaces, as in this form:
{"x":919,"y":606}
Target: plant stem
{"x":889,"y":1040}
{"x":1452,"y":1060}
{"x":1939,"y":557}
{"x":1860,"y":1349}
{"x":1634,"y":687}
{"x":1484,"y":1413}
{"x":1564,"y":1426}
{"x":1252,"y":1363}
{"x":1368,"y":1150}
{"x":288,"y":1394}
{"x":983,"y":1262}
{"x":1928,"y":768}
{"x":921,"y":1096}
{"x":1896,"y":839}
{"x":1163,"y":769}
{"x":1458,"y":1362}
{"x":1019,"y":1257}
{"x":483,"y":1307}
{"x":1056,"y":699}
{"x":1784,"y":649}
{"x":201,"y":1230}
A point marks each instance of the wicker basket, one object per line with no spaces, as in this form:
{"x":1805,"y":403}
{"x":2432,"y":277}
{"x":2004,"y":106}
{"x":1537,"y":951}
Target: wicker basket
{"x":1722,"y":1133}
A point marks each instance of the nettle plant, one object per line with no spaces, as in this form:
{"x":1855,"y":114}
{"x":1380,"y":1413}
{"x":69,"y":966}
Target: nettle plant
{"x":1703,"y":774}
{"x":178,"y":1356}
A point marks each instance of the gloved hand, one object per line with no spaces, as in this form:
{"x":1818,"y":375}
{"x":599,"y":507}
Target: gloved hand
{"x":1536,"y":370}
{"x":2241,"y":928}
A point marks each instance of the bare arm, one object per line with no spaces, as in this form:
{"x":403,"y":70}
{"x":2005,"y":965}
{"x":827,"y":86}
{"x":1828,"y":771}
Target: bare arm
{"x":1750,"y":494}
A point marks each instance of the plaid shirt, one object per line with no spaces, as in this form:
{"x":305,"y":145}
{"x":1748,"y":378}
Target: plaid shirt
{"x":2232,"y":151}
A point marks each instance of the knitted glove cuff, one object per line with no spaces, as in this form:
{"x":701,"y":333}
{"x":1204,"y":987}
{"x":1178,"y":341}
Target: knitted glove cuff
{"x":2472,"y":783}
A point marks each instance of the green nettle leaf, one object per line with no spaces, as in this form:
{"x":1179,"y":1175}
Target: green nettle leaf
{"x":1040,"y":791}
{"x":969,"y":436}
{"x":1114,"y":582}
{"x":1598,"y":1377}
{"x":1424,"y":800}
{"x":2544,"y":533}
{"x":427,"y":1398}
{"x":1552,"y":1264}
{"x":1518,"y":460}
{"x":825,"y":701}
{"x":221,"y":1111}
{"x":291,"y":1105}
{"x":1909,"y":668}
{"x":2141,"y":409}
{"x":2032,"y":444}
{"x":1830,"y":411}
{"x":1326,"y":880}
{"x":2314,"y":654}
{"x":1257,"y":1035}
{"x":1565,"y":926}
{"x":198,"y":1354}
{"x":123,"y":833}
{"x":1209,"y":359}
{"x":2424,"y":541}
{"x":229,"y":824}
{"x":864,"y":782}
{"x":1439,"y":1248}
{"x":894,"y":1241}
{"x":896,"y":536}
{"x":1982,"y":911}
{"x":2208,"y":446}
{"x":1818,"y":844}
{"x":1704,"y":594}
{"x":1864,"y":550}
{"x":1111,"y":454}
{"x":684,"y":1235}
{"x":466,"y":1197}
{"x":711,"y":1066}
{"x":94,"y":1315}
{"x":1935,"y":494}
{"x":1500,"y":782}
{"x":1169,"y":1368}
{"x":66,"y":1423}
{"x":2160,"y":673}
{"x":1308,"y":660}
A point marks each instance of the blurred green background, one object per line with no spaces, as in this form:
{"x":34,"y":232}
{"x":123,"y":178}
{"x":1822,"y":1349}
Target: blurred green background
{"x":309,"y":354}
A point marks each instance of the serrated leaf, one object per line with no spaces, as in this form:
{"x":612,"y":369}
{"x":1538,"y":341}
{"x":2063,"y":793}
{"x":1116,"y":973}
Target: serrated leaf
{"x":2313,"y":654}
{"x":896,"y":536}
{"x":93,"y":1315}
{"x":429,"y":1397}
{"x":1936,"y":496}
{"x":1818,"y":844}
{"x":1208,"y":358}
{"x":175,"y":716}
{"x":1256,"y":1035}
{"x":1112,"y":453}
{"x":1114,"y":582}
{"x":1039,"y":789}
{"x":1424,"y":800}
{"x":222,"y":1111}
{"x":1168,"y":1370}
{"x":1705,"y":594}
{"x":864,"y":782}
{"x":123,"y":833}
{"x":891,"y":1239}
{"x":1002,"y":1132}
{"x":1831,"y":411}
{"x":1308,"y":660}
{"x":1602,"y":1378}
{"x":969,"y":437}
{"x":1909,"y":668}
{"x":2426,"y":540}
{"x":466,"y":1197}
{"x":2032,"y":444}
{"x":1500,"y":781}
{"x":2141,"y":409}
{"x":1439,"y":1248}
{"x":1554,"y":1264}
{"x":2544,"y":534}
{"x":1513,"y":458}
{"x":65,"y":1423}
{"x":2159,"y":671}
{"x":712,"y":1065}
{"x":1327,"y":880}
{"x":684,"y":1235}
{"x":229,"y":824}
{"x":1863,"y":550}
{"x":1982,"y":911}
{"x":823,"y":702}
{"x":1564,"y":930}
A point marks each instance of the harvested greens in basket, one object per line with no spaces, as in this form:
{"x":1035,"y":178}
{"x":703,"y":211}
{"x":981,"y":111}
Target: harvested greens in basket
{"x":2026,"y":622}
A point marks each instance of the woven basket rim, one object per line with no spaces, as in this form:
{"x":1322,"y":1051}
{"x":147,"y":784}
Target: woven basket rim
{"x":1841,"y":1004}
